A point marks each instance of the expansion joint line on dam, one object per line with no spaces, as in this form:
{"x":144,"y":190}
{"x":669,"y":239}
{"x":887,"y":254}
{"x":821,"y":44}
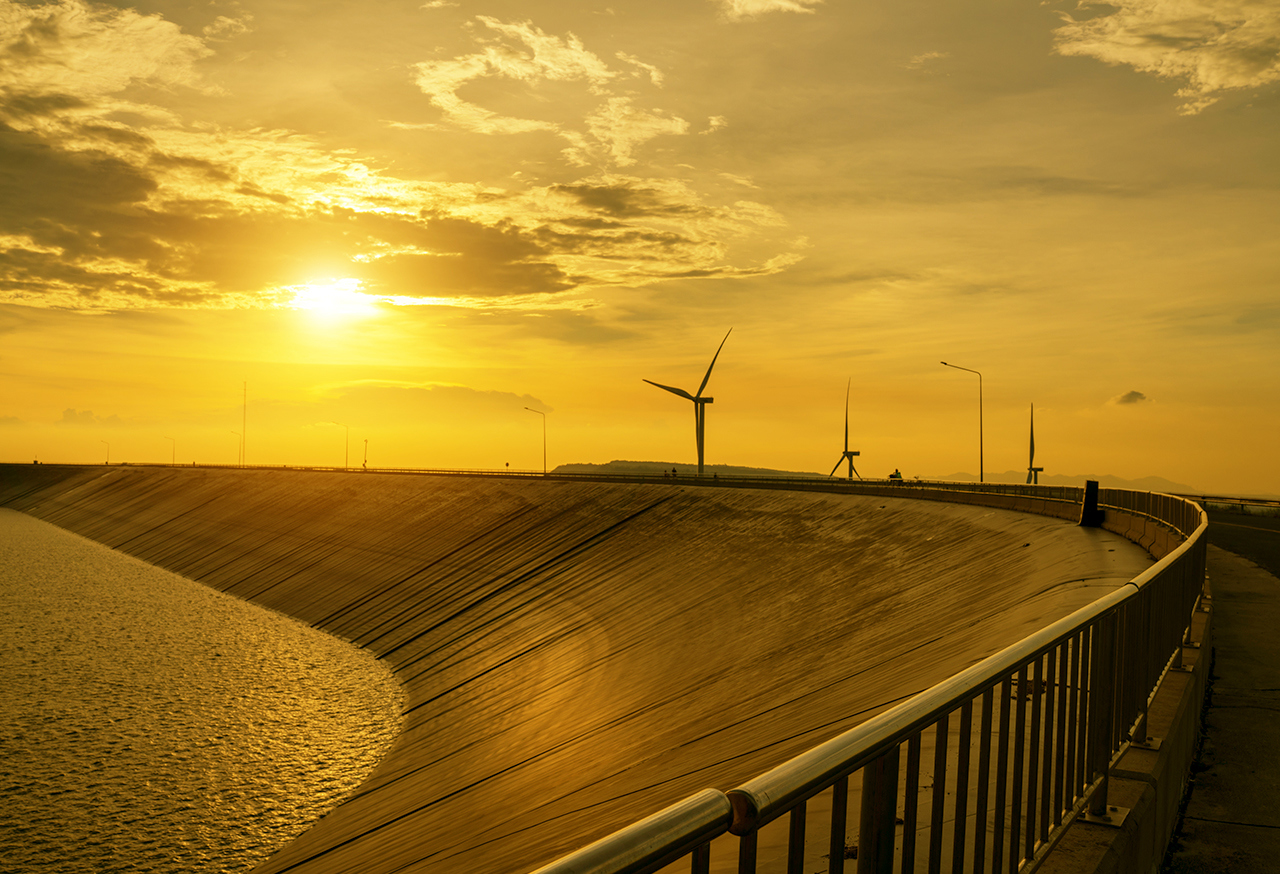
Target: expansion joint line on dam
{"x":405,"y":615}
{"x":559,"y":558}
{"x":166,"y":522}
{"x":378,"y":593}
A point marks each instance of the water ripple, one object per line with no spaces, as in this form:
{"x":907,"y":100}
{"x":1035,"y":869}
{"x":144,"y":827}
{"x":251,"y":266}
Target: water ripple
{"x":148,"y":723}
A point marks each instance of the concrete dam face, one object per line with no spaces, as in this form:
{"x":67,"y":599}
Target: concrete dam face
{"x":577,"y":655}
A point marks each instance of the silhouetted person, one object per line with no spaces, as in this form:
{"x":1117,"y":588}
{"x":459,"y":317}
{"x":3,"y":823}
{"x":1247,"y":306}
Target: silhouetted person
{"x":897,"y":474}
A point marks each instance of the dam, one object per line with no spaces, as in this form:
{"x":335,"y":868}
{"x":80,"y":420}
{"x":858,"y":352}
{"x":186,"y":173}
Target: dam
{"x":576,"y":655}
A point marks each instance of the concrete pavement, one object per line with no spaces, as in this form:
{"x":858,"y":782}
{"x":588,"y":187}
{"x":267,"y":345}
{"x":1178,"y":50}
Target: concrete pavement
{"x":1231,"y":820}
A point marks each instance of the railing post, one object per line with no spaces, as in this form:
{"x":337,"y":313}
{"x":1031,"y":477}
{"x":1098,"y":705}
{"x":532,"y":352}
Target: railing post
{"x":747,"y":852}
{"x":1102,"y":694}
{"x":839,"y":825}
{"x":879,"y":809}
{"x":795,"y":840}
{"x":700,"y":861}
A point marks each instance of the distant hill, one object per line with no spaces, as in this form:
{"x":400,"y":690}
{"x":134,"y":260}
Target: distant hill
{"x":658,"y":468}
{"x":1106,"y":481}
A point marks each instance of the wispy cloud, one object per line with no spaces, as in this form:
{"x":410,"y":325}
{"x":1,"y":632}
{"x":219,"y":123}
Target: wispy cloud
{"x":1214,"y":45}
{"x":921,"y":60}
{"x":82,"y":418}
{"x":610,"y":130}
{"x":739,"y":10}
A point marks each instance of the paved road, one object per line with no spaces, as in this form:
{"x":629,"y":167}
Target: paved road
{"x":1232,"y":819}
{"x":1257,"y":538}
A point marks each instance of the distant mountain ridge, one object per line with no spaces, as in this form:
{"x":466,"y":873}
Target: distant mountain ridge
{"x":1106,"y":481}
{"x":658,"y":468}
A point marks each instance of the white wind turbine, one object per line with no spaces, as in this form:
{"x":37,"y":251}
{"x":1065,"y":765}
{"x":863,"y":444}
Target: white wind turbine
{"x":1033,"y":472}
{"x":699,"y":402}
{"x":847,"y":454}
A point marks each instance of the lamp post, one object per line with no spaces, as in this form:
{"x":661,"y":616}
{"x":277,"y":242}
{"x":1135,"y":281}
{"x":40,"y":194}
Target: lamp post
{"x":366,"y":453}
{"x":174,"y":459}
{"x":108,"y":461}
{"x":544,"y":437}
{"x":346,"y":450}
{"x":969,"y":370}
{"x":240,"y":450}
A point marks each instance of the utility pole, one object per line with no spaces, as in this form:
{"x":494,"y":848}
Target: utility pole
{"x":544,"y":437}
{"x":970,"y":370}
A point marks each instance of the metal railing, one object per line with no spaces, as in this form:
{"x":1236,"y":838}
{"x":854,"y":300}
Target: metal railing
{"x":982,"y":772}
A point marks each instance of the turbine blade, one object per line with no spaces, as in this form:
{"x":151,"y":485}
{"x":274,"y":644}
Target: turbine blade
{"x":846,"y":414}
{"x":674,"y":391}
{"x":713,"y":363}
{"x":1032,"y":461}
{"x":1028,"y":477}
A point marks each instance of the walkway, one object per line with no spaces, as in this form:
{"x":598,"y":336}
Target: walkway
{"x":1232,"y":819}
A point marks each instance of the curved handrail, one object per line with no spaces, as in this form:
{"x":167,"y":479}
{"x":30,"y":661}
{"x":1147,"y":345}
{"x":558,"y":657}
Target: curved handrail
{"x":655,"y":841}
{"x":762,"y":799}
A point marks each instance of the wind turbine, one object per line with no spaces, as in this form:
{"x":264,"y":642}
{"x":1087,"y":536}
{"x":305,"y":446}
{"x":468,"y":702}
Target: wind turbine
{"x":1033,"y":472}
{"x":846,"y":454}
{"x":699,"y":402}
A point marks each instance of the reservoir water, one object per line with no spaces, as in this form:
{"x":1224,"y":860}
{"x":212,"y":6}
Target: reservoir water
{"x":149,"y":723}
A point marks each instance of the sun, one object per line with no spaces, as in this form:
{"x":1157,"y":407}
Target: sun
{"x":337,"y":297}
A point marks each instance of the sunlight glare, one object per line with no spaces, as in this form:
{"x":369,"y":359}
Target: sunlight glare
{"x":337,"y":297}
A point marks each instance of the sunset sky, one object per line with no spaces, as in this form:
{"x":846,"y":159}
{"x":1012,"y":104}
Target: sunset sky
{"x":415,"y":220}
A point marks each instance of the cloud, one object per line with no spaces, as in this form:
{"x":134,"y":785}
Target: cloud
{"x":224,"y":28}
{"x":1130,"y":397}
{"x":112,"y":204}
{"x":391,"y":402}
{"x":622,"y":127}
{"x":1214,"y":45}
{"x":72,"y":48}
{"x":82,"y":418}
{"x":523,"y":53}
{"x":919,"y":61}
{"x":739,"y":10}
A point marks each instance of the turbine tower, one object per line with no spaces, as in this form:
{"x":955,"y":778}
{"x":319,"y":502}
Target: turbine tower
{"x":846,"y":454}
{"x":699,"y":402}
{"x":1033,"y":472}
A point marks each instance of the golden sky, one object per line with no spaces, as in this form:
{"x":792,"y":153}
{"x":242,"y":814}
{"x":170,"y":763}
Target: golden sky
{"x":407,"y":222}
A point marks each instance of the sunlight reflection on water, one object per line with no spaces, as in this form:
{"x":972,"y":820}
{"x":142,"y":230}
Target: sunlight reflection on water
{"x":148,"y":723}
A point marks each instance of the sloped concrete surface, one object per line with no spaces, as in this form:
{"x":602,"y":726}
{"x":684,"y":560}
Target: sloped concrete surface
{"x":578,"y":655}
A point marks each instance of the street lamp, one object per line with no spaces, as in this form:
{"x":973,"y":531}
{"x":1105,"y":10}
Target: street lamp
{"x":174,"y":459}
{"x":240,"y":452}
{"x":346,"y":452}
{"x":108,"y":461}
{"x":544,"y":437}
{"x":958,"y":367}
